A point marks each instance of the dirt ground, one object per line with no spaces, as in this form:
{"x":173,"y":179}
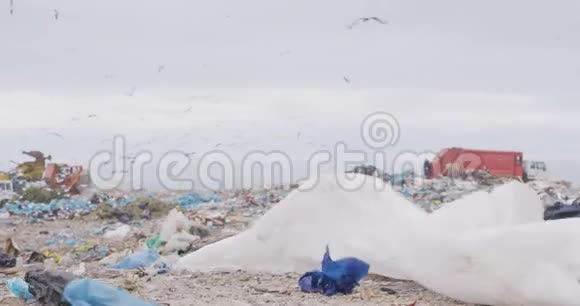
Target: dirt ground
{"x":181,"y":288}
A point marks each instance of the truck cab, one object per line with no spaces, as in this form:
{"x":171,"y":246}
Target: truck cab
{"x":535,"y":169}
{"x":6,"y":190}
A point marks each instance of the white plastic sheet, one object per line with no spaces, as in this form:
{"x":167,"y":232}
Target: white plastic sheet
{"x":487,"y":248}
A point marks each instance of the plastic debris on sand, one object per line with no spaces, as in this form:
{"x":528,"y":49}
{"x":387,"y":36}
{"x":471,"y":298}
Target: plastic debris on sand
{"x":118,"y":234}
{"x":85,"y":292}
{"x":175,"y":233}
{"x":47,"y":286}
{"x":61,"y":206}
{"x":19,"y":288}
{"x":7,"y":261}
{"x":136,"y":260}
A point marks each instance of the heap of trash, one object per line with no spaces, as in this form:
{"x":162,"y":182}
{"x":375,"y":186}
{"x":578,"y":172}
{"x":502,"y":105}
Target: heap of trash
{"x":122,"y":247}
{"x":61,"y":208}
{"x":432,"y":194}
{"x":556,"y":191}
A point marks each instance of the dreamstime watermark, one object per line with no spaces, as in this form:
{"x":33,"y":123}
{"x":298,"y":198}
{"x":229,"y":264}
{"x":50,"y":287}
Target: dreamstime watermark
{"x":178,"y":171}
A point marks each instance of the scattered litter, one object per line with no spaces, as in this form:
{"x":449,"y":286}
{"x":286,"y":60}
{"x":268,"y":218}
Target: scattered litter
{"x":81,"y":270}
{"x":562,"y":211}
{"x":118,"y":234}
{"x":223,"y":233}
{"x":175,"y":222}
{"x":70,"y":242}
{"x":91,"y":292}
{"x":114,"y":257}
{"x":137,"y":260}
{"x":19,"y":288}
{"x":62,"y":208}
{"x":48,"y":287}
{"x":161,"y":268}
{"x":55,"y":257}
{"x":192,"y":200}
{"x":154,"y":242}
{"x":7,"y":261}
{"x":141,"y":208}
{"x":36,"y":257}
{"x":179,"y":242}
{"x":340,"y":276}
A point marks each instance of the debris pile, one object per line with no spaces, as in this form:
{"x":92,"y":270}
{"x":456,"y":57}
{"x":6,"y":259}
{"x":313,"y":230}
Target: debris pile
{"x":432,"y":194}
{"x":554,"y":191}
{"x":139,"y":242}
{"x":142,"y":208}
{"x":288,"y":237}
{"x":238,"y":209}
{"x":193,"y":199}
{"x":61,"y":208}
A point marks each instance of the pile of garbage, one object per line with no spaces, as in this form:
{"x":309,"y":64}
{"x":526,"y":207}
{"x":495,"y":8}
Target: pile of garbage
{"x":61,"y":208}
{"x":238,"y":208}
{"x":560,"y":198}
{"x":469,"y":241}
{"x":123,"y":208}
{"x":432,"y":194}
{"x":556,"y":191}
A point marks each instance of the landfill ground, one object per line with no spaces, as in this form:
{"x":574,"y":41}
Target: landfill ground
{"x":77,"y":243}
{"x":184,"y":288}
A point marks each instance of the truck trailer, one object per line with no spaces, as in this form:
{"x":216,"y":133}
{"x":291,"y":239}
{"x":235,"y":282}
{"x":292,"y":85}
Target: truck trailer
{"x":457,"y":161}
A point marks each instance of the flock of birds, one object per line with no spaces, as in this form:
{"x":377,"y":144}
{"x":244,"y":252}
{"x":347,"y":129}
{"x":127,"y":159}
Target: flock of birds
{"x":161,"y":68}
{"x":356,"y":22}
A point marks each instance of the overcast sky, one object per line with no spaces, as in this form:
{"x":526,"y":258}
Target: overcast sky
{"x":484,"y":74}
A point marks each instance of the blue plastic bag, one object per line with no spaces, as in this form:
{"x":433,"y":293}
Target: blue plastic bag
{"x":192,"y":200}
{"x":19,"y":288}
{"x":88,"y":292}
{"x":137,"y":260}
{"x":340,"y":276}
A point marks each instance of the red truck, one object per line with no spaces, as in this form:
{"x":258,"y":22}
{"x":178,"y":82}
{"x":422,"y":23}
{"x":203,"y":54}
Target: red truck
{"x":459,"y":160}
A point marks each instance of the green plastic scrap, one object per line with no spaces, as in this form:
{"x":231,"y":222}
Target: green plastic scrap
{"x":153,"y":243}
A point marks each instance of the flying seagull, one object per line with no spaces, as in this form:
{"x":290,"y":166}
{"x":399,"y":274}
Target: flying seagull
{"x":161,"y":68}
{"x":56,"y":135}
{"x":346,"y":79}
{"x":131,"y":92}
{"x":188,"y":109}
{"x":11,"y":7}
{"x":366,"y":19}
{"x":92,"y":116}
{"x":56,"y":14}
